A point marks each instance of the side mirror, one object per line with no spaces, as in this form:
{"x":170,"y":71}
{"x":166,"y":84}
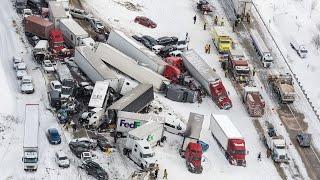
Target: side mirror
{"x":247,"y":153}
{"x":22,"y":159}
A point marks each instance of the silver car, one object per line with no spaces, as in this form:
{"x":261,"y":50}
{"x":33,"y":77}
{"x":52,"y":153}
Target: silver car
{"x":61,"y":159}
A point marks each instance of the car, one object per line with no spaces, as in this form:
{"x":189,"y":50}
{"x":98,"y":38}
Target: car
{"x":48,"y":66}
{"x":94,"y":169}
{"x":26,"y":13}
{"x":21,"y":69}
{"x":146,"y":43}
{"x":26,"y":85}
{"x":56,"y":85}
{"x":62,"y":159}
{"x":166,"y":41}
{"x":164,"y":52}
{"x":78,"y":148}
{"x":54,"y":99}
{"x":304,"y":139}
{"x":182,"y":45}
{"x":96,"y":25}
{"x":137,"y":38}
{"x":91,"y":143}
{"x":103,"y":144}
{"x":145,"y":22}
{"x":53,"y":136}
{"x":151,"y":40}
{"x":79,"y":14}
{"x":16,"y":61}
{"x":157,"y":48}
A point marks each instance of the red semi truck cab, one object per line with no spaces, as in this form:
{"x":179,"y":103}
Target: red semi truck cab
{"x":56,"y":40}
{"x":193,"y":155}
{"x":175,"y":61}
{"x":172,"y":73}
{"x":237,"y":152}
{"x":220,"y":95}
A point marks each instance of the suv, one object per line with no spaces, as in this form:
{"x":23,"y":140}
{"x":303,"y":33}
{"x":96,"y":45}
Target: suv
{"x":62,"y":160}
{"x":79,"y":14}
{"x":151,"y":40}
{"x":26,"y":85}
{"x":164,"y":52}
{"x":94,"y":169}
{"x":21,"y":69}
{"x":16,"y":61}
{"x":304,"y":139}
{"x":165,"y":41}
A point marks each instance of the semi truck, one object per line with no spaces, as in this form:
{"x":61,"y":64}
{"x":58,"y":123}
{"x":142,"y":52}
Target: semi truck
{"x":127,"y":121}
{"x":138,"y":52}
{"x":238,"y":65}
{"x":30,"y":140}
{"x":92,"y":66}
{"x":190,"y":149}
{"x":56,"y":12}
{"x":275,"y":143}
{"x":206,"y":76}
{"x":221,"y":39}
{"x":67,"y":80}
{"x":261,"y":48}
{"x":253,"y":101}
{"x":299,"y":48}
{"x":74,"y":34}
{"x":99,"y":95}
{"x":229,"y":139}
{"x":133,"y":101}
{"x":242,"y":7}
{"x":65,"y":3}
{"x":38,"y":26}
{"x":130,"y":67}
{"x":56,"y":40}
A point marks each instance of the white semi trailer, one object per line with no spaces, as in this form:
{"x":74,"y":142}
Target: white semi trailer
{"x":30,"y":140}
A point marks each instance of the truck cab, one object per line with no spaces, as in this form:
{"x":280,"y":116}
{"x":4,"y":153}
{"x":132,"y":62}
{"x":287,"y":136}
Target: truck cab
{"x":193,"y":155}
{"x":175,"y":61}
{"x":140,"y":152}
{"x":237,"y":152}
{"x":276,"y":144}
{"x":239,"y":65}
{"x":30,"y":159}
{"x":220,"y":94}
{"x":267,"y":59}
{"x":56,"y":40}
{"x":253,"y":101}
{"x":221,"y":39}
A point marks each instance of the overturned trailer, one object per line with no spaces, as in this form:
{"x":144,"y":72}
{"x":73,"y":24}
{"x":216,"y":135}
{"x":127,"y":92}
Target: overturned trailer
{"x":133,"y":101}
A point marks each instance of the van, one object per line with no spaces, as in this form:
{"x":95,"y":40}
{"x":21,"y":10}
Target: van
{"x":174,"y":127}
{"x":54,"y":99}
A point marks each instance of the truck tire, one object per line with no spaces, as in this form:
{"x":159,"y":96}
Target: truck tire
{"x":141,"y":165}
{"x":125,"y":151}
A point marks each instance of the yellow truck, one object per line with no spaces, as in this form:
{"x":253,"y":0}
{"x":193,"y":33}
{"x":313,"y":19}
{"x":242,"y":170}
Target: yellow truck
{"x":221,"y":39}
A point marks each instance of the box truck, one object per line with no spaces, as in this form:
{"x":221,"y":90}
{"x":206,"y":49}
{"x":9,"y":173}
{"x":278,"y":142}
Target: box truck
{"x":91,"y":64}
{"x":221,"y":39}
{"x":138,"y":52}
{"x":127,"y":121}
{"x":229,"y":139}
{"x":30,"y":140}
{"x":38,"y":26}
{"x":206,"y":76}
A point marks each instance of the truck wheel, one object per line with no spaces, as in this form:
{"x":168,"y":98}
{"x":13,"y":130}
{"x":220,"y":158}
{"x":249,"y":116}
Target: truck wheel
{"x":142,"y":167}
{"x":125,"y":152}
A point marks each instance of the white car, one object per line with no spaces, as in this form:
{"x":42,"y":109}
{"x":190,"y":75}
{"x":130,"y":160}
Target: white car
{"x":174,"y":127}
{"x":21,"y":69}
{"x":16,"y":61}
{"x":157,"y":48}
{"x":182,"y":45}
{"x":62,"y":160}
{"x":47,"y":66}
{"x":79,"y":14}
{"x":26,"y":85}
{"x":56,"y":85}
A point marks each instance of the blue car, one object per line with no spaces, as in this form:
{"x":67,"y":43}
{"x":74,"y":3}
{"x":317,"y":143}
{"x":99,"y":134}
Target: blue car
{"x":53,"y":136}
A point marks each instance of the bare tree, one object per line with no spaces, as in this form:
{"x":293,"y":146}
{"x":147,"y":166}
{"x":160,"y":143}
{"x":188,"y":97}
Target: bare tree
{"x":313,"y":6}
{"x":316,"y":40}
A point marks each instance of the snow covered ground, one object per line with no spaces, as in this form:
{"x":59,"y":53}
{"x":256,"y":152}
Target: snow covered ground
{"x":175,"y":18}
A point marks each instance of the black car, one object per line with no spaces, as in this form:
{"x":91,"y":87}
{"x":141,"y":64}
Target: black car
{"x":137,"y":38}
{"x":78,"y":148}
{"x":166,"y":41}
{"x":54,"y":99}
{"x":103,"y":144}
{"x":164,"y":52}
{"x":94,"y":169}
{"x":151,"y":40}
{"x":53,"y":136}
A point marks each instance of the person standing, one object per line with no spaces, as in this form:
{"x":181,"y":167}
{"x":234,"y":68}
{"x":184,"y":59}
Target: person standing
{"x":209,"y":47}
{"x":156,"y":172}
{"x":215,"y":21}
{"x":259,"y":156}
{"x":222,"y":22}
{"x":254,"y":71}
{"x":194,"y":19}
{"x":187,"y":36}
{"x":165,"y":174}
{"x":205,"y":26}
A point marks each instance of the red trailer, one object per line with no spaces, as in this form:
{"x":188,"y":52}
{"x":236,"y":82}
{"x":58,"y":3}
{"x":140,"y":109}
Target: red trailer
{"x":38,"y":26}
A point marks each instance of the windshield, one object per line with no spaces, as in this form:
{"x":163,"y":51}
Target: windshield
{"x":304,"y":51}
{"x":225,"y":42}
{"x":243,"y":71}
{"x":58,"y":44}
{"x":63,"y":158}
{"x":239,"y":152}
{"x":30,"y":160}
{"x":147,"y":155}
{"x":66,"y":90}
{"x":280,"y":147}
{"x":57,"y":86}
{"x":99,"y":23}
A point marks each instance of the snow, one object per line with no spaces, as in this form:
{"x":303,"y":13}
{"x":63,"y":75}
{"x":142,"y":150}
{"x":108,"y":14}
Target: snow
{"x":174,"y":18}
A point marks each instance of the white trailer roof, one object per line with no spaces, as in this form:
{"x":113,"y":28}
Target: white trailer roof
{"x":57,"y":9}
{"x":99,"y":94}
{"x":145,"y":117}
{"x":141,"y":47}
{"x":221,"y":30}
{"x":93,"y":58}
{"x":31,"y":125}
{"x":200,"y":65}
{"x":146,"y":129}
{"x":227,"y":126}
{"x":258,"y":41}
{"x":74,"y":27}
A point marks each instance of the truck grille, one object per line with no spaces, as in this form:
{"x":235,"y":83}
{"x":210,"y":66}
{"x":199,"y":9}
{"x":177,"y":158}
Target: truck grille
{"x":282,"y":157}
